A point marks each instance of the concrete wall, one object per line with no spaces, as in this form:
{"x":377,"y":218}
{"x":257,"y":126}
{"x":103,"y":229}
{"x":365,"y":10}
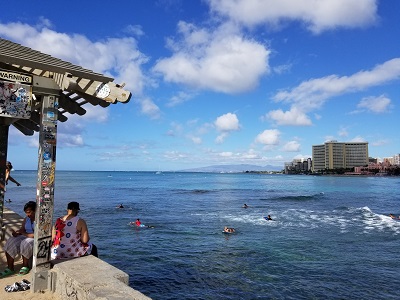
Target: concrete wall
{"x":83,"y":278}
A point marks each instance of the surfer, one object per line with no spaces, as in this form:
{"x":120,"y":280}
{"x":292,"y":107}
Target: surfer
{"x":138,"y":223}
{"x":120,"y":206}
{"x":268,"y":218}
{"x":229,"y":229}
{"x":245,"y":205}
{"x":393,"y":216}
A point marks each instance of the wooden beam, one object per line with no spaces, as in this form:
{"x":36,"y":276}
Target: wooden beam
{"x":23,"y":129}
{"x":107,"y":91}
{"x":70,"y":106}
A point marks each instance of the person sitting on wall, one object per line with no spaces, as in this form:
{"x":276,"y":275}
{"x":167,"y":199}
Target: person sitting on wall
{"x":21,"y":242}
{"x":71,"y":236}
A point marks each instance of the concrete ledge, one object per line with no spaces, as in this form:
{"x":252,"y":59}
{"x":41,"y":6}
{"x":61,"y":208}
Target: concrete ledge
{"x":89,"y":278}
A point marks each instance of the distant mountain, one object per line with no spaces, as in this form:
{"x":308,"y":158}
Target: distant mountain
{"x":233,"y":168}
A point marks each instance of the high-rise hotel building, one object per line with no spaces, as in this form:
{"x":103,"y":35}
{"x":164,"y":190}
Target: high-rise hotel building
{"x":334,"y":155}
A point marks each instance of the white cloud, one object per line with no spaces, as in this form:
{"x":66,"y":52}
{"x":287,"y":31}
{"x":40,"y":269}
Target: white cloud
{"x":227,"y":122}
{"x":219,"y":60}
{"x":292,"y":146}
{"x":135,"y":30}
{"x":292,"y":117}
{"x":312,"y":94}
{"x":93,"y":113}
{"x":317,"y":15}
{"x":221,"y":138}
{"x":282,"y":69}
{"x":149,"y":108}
{"x":67,"y":140}
{"x":174,"y":155}
{"x":268,"y":137}
{"x":378,"y":104}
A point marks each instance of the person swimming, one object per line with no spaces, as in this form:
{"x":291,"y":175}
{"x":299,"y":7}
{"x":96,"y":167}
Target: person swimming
{"x":138,"y":223}
{"x":268,"y":218}
{"x":229,"y":229}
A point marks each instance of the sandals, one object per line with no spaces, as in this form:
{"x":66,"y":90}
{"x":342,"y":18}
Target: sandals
{"x":24,"y":285}
{"x":6,"y":272}
{"x":24,"y":271}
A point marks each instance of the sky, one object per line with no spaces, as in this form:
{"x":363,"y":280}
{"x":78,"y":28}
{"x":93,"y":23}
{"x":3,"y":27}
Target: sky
{"x":218,"y":81}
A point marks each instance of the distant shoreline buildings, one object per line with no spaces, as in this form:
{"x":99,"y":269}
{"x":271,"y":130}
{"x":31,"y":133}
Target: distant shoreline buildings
{"x":349,"y":158}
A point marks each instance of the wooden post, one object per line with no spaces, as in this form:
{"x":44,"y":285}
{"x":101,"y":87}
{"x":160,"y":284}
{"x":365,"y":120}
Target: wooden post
{"x":3,"y":159}
{"x":45,"y":194}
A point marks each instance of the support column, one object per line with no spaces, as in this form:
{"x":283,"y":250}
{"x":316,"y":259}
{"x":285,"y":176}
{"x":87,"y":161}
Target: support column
{"x":45,"y":194}
{"x":3,"y":158}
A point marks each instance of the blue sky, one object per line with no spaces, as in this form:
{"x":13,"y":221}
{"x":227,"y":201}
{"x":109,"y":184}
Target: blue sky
{"x":218,"y":81}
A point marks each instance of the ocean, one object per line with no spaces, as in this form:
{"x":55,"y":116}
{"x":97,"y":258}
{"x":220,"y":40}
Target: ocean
{"x":330,"y":238}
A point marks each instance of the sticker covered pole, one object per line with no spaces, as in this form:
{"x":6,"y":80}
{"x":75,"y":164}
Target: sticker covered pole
{"x":45,"y":193}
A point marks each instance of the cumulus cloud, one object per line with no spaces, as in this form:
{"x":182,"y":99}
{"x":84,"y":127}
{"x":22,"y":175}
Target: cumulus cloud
{"x":312,"y":94}
{"x":317,"y":16}
{"x":268,"y":137}
{"x":227,"y":122}
{"x":293,"y":117}
{"x":149,"y":108}
{"x":219,"y":60}
{"x":292,"y":146}
{"x":117,"y":57}
{"x":377,"y":105}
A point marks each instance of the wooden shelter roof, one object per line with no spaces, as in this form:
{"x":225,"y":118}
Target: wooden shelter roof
{"x":75,"y":86}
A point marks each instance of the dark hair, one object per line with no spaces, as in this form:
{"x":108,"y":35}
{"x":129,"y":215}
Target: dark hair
{"x":73,"y":205}
{"x":31,"y":205}
{"x":9,"y":165}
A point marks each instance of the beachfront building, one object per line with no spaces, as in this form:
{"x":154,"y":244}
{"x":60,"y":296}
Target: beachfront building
{"x":339,"y":155}
{"x":396,"y":159}
{"x":298,"y":166}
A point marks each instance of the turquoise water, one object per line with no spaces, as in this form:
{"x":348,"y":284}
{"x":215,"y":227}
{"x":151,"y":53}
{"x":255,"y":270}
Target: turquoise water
{"x":331,"y":237}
